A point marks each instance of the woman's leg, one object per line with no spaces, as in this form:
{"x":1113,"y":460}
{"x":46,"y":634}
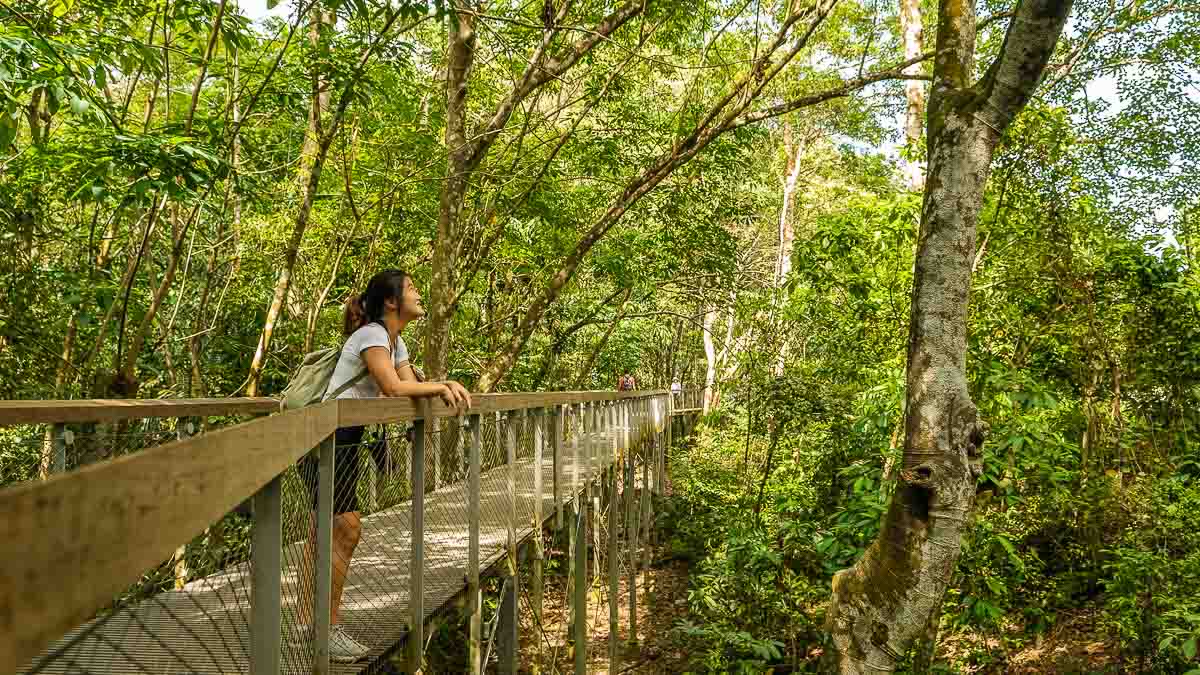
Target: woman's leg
{"x":347,"y":525}
{"x":347,"y":529}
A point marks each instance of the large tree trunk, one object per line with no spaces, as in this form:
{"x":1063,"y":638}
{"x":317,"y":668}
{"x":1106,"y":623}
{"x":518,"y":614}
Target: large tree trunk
{"x":887,"y":600}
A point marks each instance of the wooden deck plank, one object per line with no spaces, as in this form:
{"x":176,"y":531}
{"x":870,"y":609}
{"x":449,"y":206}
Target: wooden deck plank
{"x":203,"y":628}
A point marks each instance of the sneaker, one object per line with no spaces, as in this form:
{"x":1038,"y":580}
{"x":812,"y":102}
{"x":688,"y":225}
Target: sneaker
{"x":343,"y":648}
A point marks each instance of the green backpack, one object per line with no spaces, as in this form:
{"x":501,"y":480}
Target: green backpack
{"x":310,"y":382}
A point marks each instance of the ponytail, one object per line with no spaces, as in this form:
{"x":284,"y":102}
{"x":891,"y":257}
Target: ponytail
{"x":355,"y":316}
{"x":368,"y":307}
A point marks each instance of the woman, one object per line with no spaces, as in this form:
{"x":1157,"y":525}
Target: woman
{"x":373,"y":323}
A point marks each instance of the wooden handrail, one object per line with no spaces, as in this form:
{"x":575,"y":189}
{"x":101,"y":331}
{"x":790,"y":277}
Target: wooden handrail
{"x":353,"y":411}
{"x":113,"y":410}
{"x":356,"y":412}
{"x":81,"y":537}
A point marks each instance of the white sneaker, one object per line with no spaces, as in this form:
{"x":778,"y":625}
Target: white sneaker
{"x":343,"y":648}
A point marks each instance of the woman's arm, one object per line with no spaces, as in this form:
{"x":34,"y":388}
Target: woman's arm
{"x":392,"y":383}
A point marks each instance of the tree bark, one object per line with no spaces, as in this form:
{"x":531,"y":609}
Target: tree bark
{"x":886,"y":601}
{"x":787,"y":232}
{"x":914,"y":91}
{"x":312,"y":160}
{"x":460,"y":54}
{"x":710,"y":355}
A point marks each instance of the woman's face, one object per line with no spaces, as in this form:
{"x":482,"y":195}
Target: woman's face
{"x":410,"y":301}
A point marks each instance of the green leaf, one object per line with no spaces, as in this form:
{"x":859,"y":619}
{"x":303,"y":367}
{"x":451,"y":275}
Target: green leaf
{"x":8,"y":132}
{"x":78,"y":105}
{"x":1189,"y":649}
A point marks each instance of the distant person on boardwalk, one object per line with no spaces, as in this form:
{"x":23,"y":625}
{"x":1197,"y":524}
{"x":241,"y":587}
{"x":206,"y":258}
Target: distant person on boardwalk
{"x":676,"y":389}
{"x":373,"y":322}
{"x":626,"y":382}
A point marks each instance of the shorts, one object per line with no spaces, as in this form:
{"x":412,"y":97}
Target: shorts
{"x":347,"y":441}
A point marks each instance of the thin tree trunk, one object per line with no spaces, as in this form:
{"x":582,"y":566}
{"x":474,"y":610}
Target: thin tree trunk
{"x":914,"y":91}
{"x":710,"y":356}
{"x":887,"y":600}
{"x":465,"y":155}
{"x":730,"y":112}
{"x":312,"y":160}
{"x":591,"y":362}
{"x":316,"y":148}
{"x":460,"y":54}
{"x":787,"y":234}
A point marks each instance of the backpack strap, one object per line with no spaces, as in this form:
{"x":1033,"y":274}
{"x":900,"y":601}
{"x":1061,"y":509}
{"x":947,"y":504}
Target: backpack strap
{"x":347,"y":384}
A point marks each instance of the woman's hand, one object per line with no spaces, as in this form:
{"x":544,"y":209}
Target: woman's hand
{"x":455,"y":395}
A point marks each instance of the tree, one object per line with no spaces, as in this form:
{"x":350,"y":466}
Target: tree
{"x":883,"y":603}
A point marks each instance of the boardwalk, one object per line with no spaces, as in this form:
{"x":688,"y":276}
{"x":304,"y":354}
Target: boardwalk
{"x":204,"y":627}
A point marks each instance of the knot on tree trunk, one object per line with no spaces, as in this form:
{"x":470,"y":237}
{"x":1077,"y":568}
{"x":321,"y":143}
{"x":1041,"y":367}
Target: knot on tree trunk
{"x":919,"y":476}
{"x":967,"y":433}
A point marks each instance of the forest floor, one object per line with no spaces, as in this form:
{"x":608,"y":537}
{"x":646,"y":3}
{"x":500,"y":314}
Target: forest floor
{"x":1075,"y":644}
{"x":655,"y":651}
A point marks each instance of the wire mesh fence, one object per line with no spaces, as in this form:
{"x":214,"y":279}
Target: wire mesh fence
{"x":194,"y":612}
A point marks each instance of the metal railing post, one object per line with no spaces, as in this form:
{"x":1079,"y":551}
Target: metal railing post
{"x":509,"y":623}
{"x":614,"y":575}
{"x":631,"y":531}
{"x":58,"y":462}
{"x":539,"y":420}
{"x":323,"y":558}
{"x":266,"y":616}
{"x":476,"y":601}
{"x":416,"y":565}
{"x":182,"y":431}
{"x":556,"y":419}
{"x":580,"y":589}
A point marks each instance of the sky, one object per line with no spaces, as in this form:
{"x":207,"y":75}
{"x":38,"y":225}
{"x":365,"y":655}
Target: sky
{"x":257,"y":9}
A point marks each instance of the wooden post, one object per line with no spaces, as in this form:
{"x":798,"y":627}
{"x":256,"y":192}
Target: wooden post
{"x":509,"y":622}
{"x":323,"y":560}
{"x":416,"y":565}
{"x":476,"y":601}
{"x":266,"y":616}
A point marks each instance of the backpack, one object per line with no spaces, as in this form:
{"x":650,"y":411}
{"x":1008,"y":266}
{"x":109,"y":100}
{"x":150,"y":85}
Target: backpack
{"x":309,"y":383}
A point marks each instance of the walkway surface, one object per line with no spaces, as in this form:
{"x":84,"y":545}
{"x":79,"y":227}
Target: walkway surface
{"x":204,"y":627}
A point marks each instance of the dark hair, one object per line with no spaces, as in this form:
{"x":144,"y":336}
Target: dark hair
{"x":368,"y":307}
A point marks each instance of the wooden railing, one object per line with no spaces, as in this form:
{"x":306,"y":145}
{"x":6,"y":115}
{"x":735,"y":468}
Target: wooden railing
{"x":77,"y":539}
{"x":688,"y":400}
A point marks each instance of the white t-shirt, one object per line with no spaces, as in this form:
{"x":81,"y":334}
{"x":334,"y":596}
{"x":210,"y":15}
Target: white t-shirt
{"x":351,"y":361}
